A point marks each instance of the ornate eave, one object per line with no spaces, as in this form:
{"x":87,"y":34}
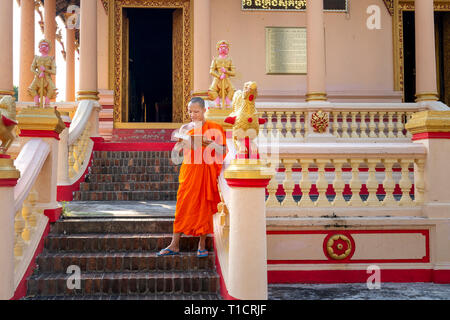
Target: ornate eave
{"x":390,"y":6}
{"x":105,"y":5}
{"x":61,"y":11}
{"x":61,"y":6}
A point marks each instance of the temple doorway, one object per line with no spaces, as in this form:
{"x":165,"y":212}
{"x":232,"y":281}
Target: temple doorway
{"x":442,"y":36}
{"x":409,"y":55}
{"x":150,"y":65}
{"x":151,"y":62}
{"x":150,"y":84}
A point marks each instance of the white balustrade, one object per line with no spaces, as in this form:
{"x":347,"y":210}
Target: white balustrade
{"x":79,"y":152}
{"x":84,"y":126}
{"x":26,"y":232}
{"x":290,"y":125}
{"x":343,"y":179}
{"x":348,"y":122}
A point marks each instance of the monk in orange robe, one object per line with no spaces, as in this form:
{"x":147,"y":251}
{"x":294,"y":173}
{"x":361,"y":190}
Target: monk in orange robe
{"x":204,"y":149}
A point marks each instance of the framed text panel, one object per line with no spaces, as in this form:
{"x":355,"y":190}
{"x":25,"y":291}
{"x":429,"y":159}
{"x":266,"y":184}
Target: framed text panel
{"x":286,"y":50}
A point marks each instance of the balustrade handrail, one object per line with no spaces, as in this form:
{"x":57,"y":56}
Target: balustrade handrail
{"x":61,"y":105}
{"x":343,"y":170}
{"x":79,"y":145}
{"x":344,"y":150}
{"x":356,"y":121}
{"x":221,"y":218}
{"x":29,"y":162}
{"x":29,"y":221}
{"x":81,"y":119}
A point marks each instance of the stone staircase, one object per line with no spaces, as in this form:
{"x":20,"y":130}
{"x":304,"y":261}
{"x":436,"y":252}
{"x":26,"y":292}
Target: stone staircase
{"x":117,"y":259}
{"x":130,"y":176}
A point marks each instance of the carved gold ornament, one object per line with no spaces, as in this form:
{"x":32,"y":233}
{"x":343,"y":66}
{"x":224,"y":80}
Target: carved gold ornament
{"x":319,"y":121}
{"x":7,"y":122}
{"x":339,"y":247}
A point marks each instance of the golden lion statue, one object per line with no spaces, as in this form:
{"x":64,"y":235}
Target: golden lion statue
{"x":7,"y":123}
{"x":245,"y":120}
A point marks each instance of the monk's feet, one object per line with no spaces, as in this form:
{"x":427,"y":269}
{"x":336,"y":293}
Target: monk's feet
{"x":168,"y":252}
{"x":202,"y":253}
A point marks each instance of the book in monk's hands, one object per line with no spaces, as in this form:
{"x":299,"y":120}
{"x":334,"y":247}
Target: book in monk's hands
{"x":190,"y":141}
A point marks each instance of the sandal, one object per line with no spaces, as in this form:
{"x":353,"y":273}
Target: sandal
{"x":168,"y":253}
{"x":202,"y":253}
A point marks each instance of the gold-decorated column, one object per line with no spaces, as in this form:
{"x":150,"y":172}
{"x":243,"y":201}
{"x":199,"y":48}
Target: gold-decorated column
{"x":316,"y":88}
{"x":432,"y":130}
{"x":27,"y":43}
{"x":247,"y":259}
{"x":426,"y":84}
{"x":6,"y":54}
{"x":88,"y":51}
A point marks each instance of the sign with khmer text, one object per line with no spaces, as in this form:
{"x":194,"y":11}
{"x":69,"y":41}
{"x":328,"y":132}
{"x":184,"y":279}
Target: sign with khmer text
{"x":286,"y":50}
{"x":292,"y":5}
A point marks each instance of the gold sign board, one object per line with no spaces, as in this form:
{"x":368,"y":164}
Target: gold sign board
{"x":292,"y":5}
{"x":286,"y":50}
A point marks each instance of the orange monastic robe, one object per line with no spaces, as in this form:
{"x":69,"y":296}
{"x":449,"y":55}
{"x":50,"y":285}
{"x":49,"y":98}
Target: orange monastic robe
{"x":198,"y":193}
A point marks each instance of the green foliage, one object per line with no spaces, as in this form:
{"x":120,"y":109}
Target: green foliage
{"x":16,"y":93}
{"x":65,"y":212}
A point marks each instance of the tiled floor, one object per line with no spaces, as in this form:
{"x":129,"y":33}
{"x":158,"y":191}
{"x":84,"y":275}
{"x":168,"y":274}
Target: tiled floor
{"x":120,"y":209}
{"x":359,"y":291}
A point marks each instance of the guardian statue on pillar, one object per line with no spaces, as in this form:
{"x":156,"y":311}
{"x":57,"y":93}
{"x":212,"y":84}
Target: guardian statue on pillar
{"x":42,"y":89}
{"x":221,"y":90}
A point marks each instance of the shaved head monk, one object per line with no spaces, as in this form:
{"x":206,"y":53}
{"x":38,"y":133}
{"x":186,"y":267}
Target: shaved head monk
{"x":203,"y":145}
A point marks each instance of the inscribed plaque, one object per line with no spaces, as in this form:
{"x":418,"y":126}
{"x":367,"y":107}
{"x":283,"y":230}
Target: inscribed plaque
{"x":292,"y":5}
{"x":286,"y":50}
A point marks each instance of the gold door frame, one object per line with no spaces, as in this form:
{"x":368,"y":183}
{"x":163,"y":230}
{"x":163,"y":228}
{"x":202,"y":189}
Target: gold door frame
{"x":116,"y":76}
{"x":396,"y":8}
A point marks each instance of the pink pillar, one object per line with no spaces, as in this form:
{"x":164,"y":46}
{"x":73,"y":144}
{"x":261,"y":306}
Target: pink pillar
{"x":50,"y":23}
{"x":6,"y":54}
{"x":426,"y":86}
{"x":50,"y":28}
{"x":70,"y":64}
{"x":26,"y":48}
{"x":88,"y":51}
{"x":202,"y":44}
{"x":316,"y":87}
